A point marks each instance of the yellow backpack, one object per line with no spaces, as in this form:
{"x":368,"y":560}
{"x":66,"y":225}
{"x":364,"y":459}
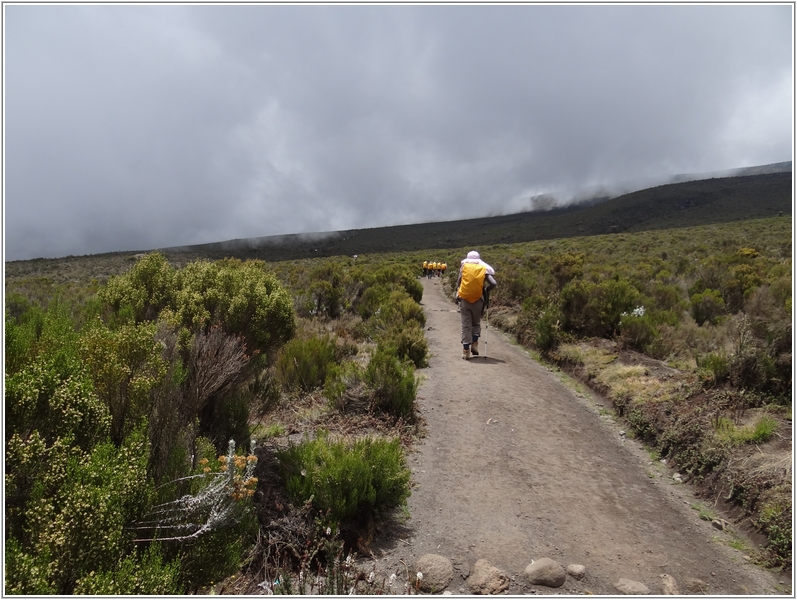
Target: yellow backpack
{"x":471,"y":286}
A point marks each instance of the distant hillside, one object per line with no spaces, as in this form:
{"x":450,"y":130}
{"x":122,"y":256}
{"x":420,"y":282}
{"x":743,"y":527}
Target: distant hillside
{"x":686,"y":204}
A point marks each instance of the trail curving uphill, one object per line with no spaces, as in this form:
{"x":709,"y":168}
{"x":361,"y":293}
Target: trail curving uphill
{"x":516,"y":466}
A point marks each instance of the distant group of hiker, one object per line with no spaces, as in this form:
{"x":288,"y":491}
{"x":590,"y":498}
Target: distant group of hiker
{"x":475,"y":281}
{"x":434,"y":269}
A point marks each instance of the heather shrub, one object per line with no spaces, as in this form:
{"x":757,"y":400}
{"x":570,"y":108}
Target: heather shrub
{"x":707,"y":306}
{"x":713,"y":367}
{"x":637,"y":331}
{"x":125,"y":365}
{"x":346,"y":480}
{"x":547,"y":330}
{"x":371,"y":300}
{"x":49,"y":390}
{"x":340,"y":378}
{"x":407,"y":341}
{"x":136,"y":573}
{"x":146,"y":289}
{"x":399,"y":308}
{"x":327,"y":290}
{"x":393,"y":382}
{"x":567,"y":266}
{"x":396,"y":277}
{"x":574,"y":301}
{"x":242,"y":297}
{"x":108,"y":483}
{"x":303,"y":362}
{"x":596,"y":308}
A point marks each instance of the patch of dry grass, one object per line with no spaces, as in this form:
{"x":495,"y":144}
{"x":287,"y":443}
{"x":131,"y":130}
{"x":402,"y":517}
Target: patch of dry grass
{"x":593,"y":359}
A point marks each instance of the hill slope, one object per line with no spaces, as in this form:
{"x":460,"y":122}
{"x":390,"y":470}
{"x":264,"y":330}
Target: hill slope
{"x":668,"y":206}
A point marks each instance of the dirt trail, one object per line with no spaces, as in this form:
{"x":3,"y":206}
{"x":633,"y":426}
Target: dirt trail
{"x":517,"y":466}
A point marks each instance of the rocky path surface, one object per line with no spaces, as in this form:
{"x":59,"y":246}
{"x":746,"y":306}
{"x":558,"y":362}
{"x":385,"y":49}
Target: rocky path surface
{"x":517,"y":467}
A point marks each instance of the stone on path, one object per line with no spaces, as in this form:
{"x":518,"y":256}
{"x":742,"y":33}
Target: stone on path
{"x":576,"y":571}
{"x":631,"y":588}
{"x":487,"y":579}
{"x":547,"y":572}
{"x":436,"y":572}
{"x":668,"y":585}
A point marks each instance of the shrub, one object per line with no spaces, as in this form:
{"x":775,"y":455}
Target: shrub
{"x":125,"y":366}
{"x":707,"y":306}
{"x":714,"y":367}
{"x":146,"y":574}
{"x":566,"y":267}
{"x":77,"y":508}
{"x":775,"y":520}
{"x":612,"y":298}
{"x":371,"y":299}
{"x":303,"y":362}
{"x":147,"y":289}
{"x":574,"y":302}
{"x":393,"y":382}
{"x":637,"y":331}
{"x":344,"y":383}
{"x":242,"y":297}
{"x":547,"y":330}
{"x":327,"y":289}
{"x":398,"y":277}
{"x":407,"y":342}
{"x":399,"y":308}
{"x":346,"y":480}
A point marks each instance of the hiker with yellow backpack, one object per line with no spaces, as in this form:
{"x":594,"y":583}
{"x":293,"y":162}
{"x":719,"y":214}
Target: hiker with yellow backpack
{"x":473,"y":287}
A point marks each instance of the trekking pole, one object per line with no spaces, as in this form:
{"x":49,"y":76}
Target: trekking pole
{"x":486,"y":327}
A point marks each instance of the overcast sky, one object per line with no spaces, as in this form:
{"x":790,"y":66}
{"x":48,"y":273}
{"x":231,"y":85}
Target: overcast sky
{"x":133,"y":127}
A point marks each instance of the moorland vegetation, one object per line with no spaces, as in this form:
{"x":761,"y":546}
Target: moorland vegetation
{"x":135,"y":386}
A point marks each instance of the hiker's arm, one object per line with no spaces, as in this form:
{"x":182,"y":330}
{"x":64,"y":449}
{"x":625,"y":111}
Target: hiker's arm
{"x":490,"y":282}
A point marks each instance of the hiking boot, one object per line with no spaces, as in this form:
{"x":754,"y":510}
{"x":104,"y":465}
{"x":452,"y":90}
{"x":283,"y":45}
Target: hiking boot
{"x":474,"y":348}
{"x":465,"y":354}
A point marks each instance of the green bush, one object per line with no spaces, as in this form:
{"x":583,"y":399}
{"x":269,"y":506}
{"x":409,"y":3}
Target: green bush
{"x":125,"y":365}
{"x":371,"y":300}
{"x":399,"y":308}
{"x":397,"y":277}
{"x":146,"y":289}
{"x":775,"y":521}
{"x":714,"y":365}
{"x":547,"y":330}
{"x":408,"y":342}
{"x":303,"y":362}
{"x":77,"y":509}
{"x":574,"y":302}
{"x":346,"y":481}
{"x":345,"y":383}
{"x":147,"y":574}
{"x":243,"y":297}
{"x":393,"y":382}
{"x":638,"y":331}
{"x":707,"y":306}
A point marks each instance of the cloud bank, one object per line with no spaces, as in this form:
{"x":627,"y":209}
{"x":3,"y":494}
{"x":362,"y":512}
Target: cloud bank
{"x":132,"y":127}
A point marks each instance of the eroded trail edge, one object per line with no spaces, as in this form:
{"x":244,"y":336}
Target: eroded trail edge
{"x":517,"y":466}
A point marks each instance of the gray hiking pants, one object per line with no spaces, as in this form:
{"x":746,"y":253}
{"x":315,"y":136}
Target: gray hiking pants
{"x":470,"y":315}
